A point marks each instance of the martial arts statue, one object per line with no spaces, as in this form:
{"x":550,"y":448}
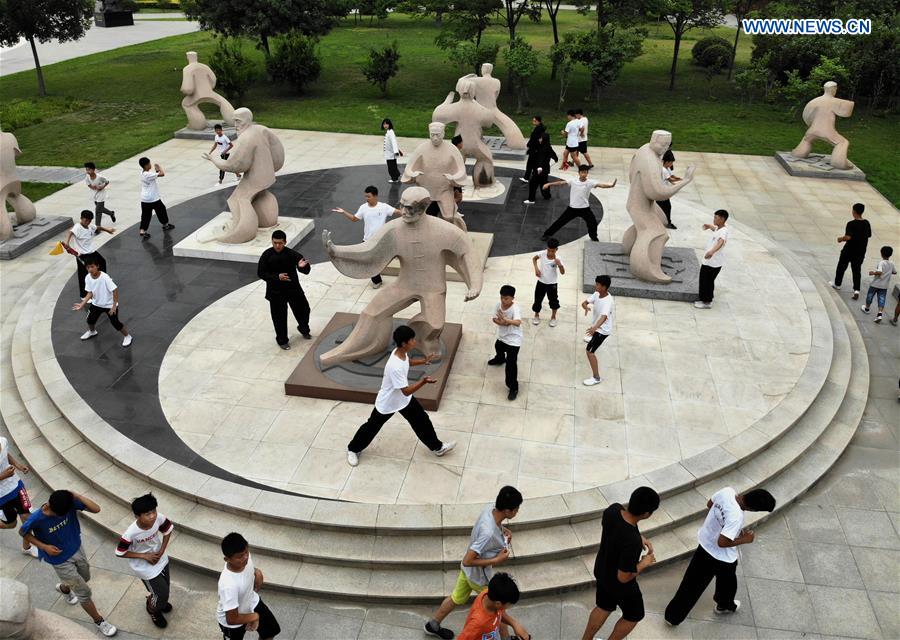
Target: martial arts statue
{"x":197,"y":85}
{"x":11,"y":187}
{"x":470,"y":118}
{"x":424,"y":246}
{"x":646,"y":238}
{"x":438,"y":166}
{"x":820,"y":114}
{"x":257,"y":154}
{"x":487,"y":89}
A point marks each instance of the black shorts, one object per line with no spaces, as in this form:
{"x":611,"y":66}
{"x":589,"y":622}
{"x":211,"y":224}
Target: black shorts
{"x":582,"y":146}
{"x":20,"y":504}
{"x":571,"y":149}
{"x":631,"y":602}
{"x":268,"y":625}
{"x":596,"y":340}
{"x":224,"y":156}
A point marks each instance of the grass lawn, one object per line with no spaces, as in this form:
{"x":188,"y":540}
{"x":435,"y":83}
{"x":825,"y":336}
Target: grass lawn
{"x":37,"y":190}
{"x":112,"y":105}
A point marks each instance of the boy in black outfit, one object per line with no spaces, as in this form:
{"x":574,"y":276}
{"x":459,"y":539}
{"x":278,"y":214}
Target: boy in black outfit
{"x":856,"y":237}
{"x":278,"y":266}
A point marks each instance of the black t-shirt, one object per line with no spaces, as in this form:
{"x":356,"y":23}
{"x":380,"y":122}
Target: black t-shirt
{"x":620,"y":549}
{"x":271,"y":263}
{"x":859,"y":231}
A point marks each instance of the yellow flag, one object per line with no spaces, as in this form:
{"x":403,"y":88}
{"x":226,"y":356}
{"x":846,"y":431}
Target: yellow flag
{"x":57,"y":250}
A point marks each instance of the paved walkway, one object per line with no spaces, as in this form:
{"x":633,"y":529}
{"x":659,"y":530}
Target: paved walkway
{"x":70,"y":175}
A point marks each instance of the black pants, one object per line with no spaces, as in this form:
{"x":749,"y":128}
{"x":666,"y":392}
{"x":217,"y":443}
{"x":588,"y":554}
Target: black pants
{"x":540,"y":290}
{"x":376,"y":279}
{"x":702,"y":569}
{"x":855,"y":262}
{"x":268,"y":625}
{"x":416,"y":417}
{"x":708,"y":282}
{"x":536,"y":183}
{"x":99,"y":210}
{"x":666,"y":206}
{"x":529,"y":167}
{"x":278,"y":306}
{"x":159,"y":591}
{"x":94,"y":314}
{"x":147,"y":208}
{"x":393,"y":170}
{"x":511,"y":355}
{"x":570,"y":214}
{"x":82,"y":270}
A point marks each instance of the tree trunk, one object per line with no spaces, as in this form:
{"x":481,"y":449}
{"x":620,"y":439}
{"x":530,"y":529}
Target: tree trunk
{"x":42,"y":89}
{"x":678,"y":34}
{"x":555,"y":40}
{"x":264,"y":41}
{"x":734,"y":50}
{"x":601,"y":15}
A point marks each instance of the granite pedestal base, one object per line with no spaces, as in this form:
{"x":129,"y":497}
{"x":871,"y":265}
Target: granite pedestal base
{"x":500,"y":151}
{"x":208,"y":133}
{"x":193,"y":246}
{"x":608,"y":258}
{"x":482,"y":242}
{"x":816,"y":166}
{"x":359,"y":381}
{"x":31,"y":234}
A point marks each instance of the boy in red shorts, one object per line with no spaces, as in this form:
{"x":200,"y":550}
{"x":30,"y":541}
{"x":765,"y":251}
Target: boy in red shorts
{"x":14,"y":499}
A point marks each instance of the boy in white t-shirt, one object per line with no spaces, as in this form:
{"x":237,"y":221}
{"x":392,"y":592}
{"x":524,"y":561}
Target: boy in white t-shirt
{"x":144,"y":544}
{"x":601,"y":304}
{"x":14,"y":500}
{"x":98,"y":184}
{"x":583,"y":137}
{"x":150,"y":198}
{"x":881,"y":282}
{"x":579,"y":203}
{"x":80,"y":243}
{"x":396,"y":394}
{"x":222,"y":144}
{"x":547,"y":267}
{"x":571,"y":133}
{"x":374,"y":215}
{"x":716,"y":555}
{"x":508,"y":318}
{"x":103,"y":296}
{"x":713,"y":259}
{"x":240,"y":608}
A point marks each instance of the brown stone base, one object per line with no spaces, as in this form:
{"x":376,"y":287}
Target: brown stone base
{"x":309,"y":381}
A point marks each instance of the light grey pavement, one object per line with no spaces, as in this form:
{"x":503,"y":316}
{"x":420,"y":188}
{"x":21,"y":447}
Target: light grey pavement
{"x":69,"y":175}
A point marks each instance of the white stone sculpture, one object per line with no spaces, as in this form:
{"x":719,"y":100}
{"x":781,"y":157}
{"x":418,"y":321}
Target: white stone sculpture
{"x":471,"y":119}
{"x":198,"y":84}
{"x":438,"y":166}
{"x":487,"y":89}
{"x":820,"y":115}
{"x":11,"y":187}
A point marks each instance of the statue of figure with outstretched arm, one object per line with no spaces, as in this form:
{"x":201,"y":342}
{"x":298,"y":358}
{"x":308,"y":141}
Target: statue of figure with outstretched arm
{"x":258,"y":154}
{"x":424,"y":246}
{"x":198,"y":84}
{"x":487,"y":89}
{"x":438,"y":166}
{"x":820,"y":115}
{"x":470,"y":118}
{"x":646,"y":238}
{"x":11,"y":187}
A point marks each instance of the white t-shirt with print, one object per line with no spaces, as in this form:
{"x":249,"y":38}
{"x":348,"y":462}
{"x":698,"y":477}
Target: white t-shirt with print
{"x":97,"y":181}
{"x":223,"y":142}
{"x":150,"y":540}
{"x":509,"y":333}
{"x":580,"y":192}
{"x":396,"y":377}
{"x":373,"y":217}
{"x":548,"y":268}
{"x":236,"y":591}
{"x":718,"y":258}
{"x":102,"y":289}
{"x":602,"y":307}
{"x":83,"y":238}
{"x":572,"y":133}
{"x":149,"y":187}
{"x":726,"y":518}
{"x":583,"y":123}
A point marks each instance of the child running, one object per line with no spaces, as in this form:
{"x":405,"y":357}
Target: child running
{"x":240,"y":608}
{"x":223,"y":144}
{"x":881,"y":282}
{"x":488,"y":618}
{"x":14,"y":501}
{"x":103,"y":297}
{"x":98,"y":184}
{"x":80,"y":243}
{"x":547,"y":267}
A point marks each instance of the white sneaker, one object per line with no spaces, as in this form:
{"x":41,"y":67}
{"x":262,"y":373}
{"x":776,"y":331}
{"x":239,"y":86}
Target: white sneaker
{"x":527,"y":201}
{"x":127,"y":341}
{"x":71,"y":598}
{"x":590,"y":382}
{"x":87,"y":335}
{"x":723,"y":612}
{"x":834,"y":286}
{"x":31,"y":551}
{"x":552,"y":322}
{"x":524,"y":179}
{"x":106,"y":628}
{"x":863,"y":308}
{"x":535,"y":320}
{"x":352,"y":458}
{"x":702,"y":305}
{"x":448,"y":446}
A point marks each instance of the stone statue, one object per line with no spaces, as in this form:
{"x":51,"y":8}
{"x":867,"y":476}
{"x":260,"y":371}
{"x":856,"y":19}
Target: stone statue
{"x":438,"y":166}
{"x":258,"y":154}
{"x":19,"y":620}
{"x":646,"y":238}
{"x":487,"y":88}
{"x":197,"y":84}
{"x":470,"y":118}
{"x":11,"y":187}
{"x":425,"y":246}
{"x":820,"y":114}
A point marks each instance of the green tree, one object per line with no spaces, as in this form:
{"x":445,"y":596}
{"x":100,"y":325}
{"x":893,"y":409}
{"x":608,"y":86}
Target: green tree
{"x":295,"y":60}
{"x":43,"y":20}
{"x":684,"y":15}
{"x":234,"y":70}
{"x":561,"y":57}
{"x":523,"y":63}
{"x":604,"y":52}
{"x":460,"y":19}
{"x":623,"y":12}
{"x":382,"y":65}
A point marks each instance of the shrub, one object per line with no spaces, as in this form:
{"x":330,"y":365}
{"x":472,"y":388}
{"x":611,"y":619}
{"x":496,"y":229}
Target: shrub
{"x":20,"y":113}
{"x":705,"y":43}
{"x":234,"y":71}
{"x":714,"y":58}
{"x":469,"y":57}
{"x":523,"y":62}
{"x":295,"y":60}
{"x":382,"y":66}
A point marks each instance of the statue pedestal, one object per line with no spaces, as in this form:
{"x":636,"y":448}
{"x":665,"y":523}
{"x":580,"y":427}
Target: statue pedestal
{"x":500,"y":151}
{"x":608,"y":258}
{"x":208,"y":133}
{"x":193,"y":247}
{"x":113,"y":18}
{"x":483,"y":243}
{"x":31,"y":234}
{"x":816,"y":166}
{"x":359,"y":381}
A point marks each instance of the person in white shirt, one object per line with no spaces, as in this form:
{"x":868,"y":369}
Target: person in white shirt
{"x":601,"y":305}
{"x":716,"y":555}
{"x":508,"y":318}
{"x":222,"y":144}
{"x":668,"y":175}
{"x":240,"y":608}
{"x":583,"y":137}
{"x":547,"y":267}
{"x":713,"y":259}
{"x":98,"y":184}
{"x":80,"y":243}
{"x":881,"y":282}
{"x":396,"y":394}
{"x":14,"y":500}
{"x":571,"y":133}
{"x":579,"y":203}
{"x":103,"y":297}
{"x":374,"y":215}
{"x":391,"y":150}
{"x":144,"y":544}
{"x":150,"y":199}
